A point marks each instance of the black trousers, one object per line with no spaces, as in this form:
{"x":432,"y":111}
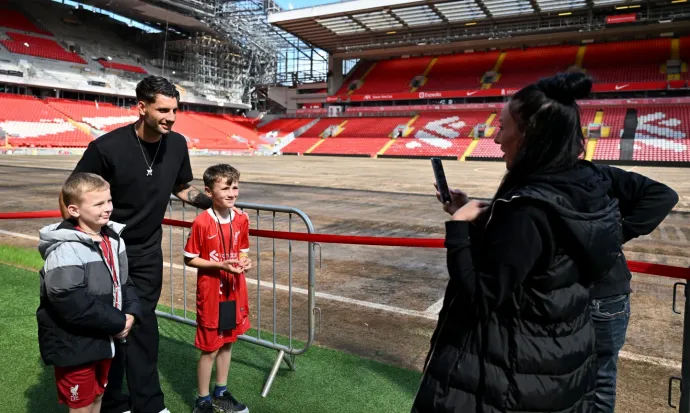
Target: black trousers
{"x":138,"y":357}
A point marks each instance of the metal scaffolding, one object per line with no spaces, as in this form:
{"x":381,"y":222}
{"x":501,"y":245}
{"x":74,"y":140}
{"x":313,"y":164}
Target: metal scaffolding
{"x":245,"y":54}
{"x":213,"y":65}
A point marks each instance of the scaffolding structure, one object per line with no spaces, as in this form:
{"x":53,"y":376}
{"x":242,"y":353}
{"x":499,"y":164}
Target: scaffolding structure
{"x":247,"y":53}
{"x":290,"y":60}
{"x":216,"y":68}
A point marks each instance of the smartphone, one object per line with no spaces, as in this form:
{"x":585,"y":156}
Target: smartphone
{"x":440,"y":179}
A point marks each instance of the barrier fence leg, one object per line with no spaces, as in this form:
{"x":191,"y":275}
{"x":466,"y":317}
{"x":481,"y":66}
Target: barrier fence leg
{"x":274,"y":371}
{"x":684,"y":406}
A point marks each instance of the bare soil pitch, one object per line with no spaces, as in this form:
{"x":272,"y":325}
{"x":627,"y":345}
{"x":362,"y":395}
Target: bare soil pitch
{"x":382,"y":197}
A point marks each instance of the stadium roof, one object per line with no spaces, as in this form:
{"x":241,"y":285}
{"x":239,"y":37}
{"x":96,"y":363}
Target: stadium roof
{"x":345,"y":26}
{"x":187,"y":18}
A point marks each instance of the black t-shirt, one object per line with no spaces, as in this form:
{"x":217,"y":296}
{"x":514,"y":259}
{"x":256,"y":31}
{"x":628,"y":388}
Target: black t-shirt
{"x":139,"y":201}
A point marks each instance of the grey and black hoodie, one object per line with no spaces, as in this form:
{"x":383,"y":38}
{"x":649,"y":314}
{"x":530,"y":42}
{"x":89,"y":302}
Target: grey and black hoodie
{"x":77,"y":315}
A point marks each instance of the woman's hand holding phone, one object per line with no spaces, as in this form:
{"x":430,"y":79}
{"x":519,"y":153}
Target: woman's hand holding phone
{"x":458,"y":199}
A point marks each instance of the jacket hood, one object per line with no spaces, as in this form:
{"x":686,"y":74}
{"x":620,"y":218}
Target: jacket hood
{"x":51,"y":236}
{"x":589,"y":221}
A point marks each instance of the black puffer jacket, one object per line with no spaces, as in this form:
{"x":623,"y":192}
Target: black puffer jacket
{"x":515,"y":334}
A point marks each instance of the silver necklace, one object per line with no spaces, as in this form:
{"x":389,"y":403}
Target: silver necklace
{"x":149,"y":171}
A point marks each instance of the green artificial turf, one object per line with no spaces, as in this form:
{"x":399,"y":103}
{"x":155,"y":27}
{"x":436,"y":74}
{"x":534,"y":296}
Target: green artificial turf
{"x":325,"y":380}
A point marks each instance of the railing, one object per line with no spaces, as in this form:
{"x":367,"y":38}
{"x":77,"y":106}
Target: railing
{"x":288,"y":352}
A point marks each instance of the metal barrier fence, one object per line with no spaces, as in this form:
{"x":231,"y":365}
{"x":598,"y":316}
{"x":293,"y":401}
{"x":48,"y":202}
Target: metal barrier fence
{"x":287,"y":353}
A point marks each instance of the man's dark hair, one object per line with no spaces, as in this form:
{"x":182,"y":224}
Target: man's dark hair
{"x":151,"y":86}
{"x":221,"y":173}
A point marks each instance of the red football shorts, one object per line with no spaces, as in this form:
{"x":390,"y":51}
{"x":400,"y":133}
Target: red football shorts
{"x":79,"y":386}
{"x":211,"y":339}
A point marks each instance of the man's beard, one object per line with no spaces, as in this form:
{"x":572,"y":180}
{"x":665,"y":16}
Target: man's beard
{"x":156,"y":127}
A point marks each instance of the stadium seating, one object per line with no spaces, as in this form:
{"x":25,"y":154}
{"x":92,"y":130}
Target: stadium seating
{"x":237,"y":132}
{"x":393,"y":76}
{"x":522,"y":67}
{"x":281,"y":127}
{"x":614,"y":117}
{"x":440,"y":134}
{"x":429,"y":147}
{"x":29,"y":122}
{"x":459,"y":72}
{"x":633,"y":61}
{"x":662,"y":134}
{"x":39,"y":47}
{"x":684,"y":52}
{"x":102,"y":116}
{"x":350,"y":146}
{"x":607,"y":149}
{"x":52,"y":123}
{"x":358,"y":72}
{"x":608,"y":146}
{"x":370,"y":127}
{"x":636,"y":61}
{"x":200,"y":135}
{"x":300,"y":145}
{"x":17,"y":21}
{"x":122,"y":66}
{"x":587,"y":116}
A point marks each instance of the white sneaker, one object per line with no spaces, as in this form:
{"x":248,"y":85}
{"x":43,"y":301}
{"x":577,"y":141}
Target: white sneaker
{"x":165,"y":411}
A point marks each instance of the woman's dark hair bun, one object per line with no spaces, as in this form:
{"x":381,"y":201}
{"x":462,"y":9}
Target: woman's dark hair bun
{"x":566,"y":87}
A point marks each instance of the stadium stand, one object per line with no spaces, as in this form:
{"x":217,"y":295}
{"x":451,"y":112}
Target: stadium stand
{"x":486,"y":149}
{"x":441,"y":134}
{"x":462,"y":71}
{"x":635,"y":61}
{"x":102,"y":60}
{"x":521,"y":68}
{"x":12,"y":19}
{"x":608,"y":63}
{"x":239,"y":133}
{"x":662,"y":134}
{"x":392,"y":76}
{"x":102,"y":116}
{"x":122,"y":66}
{"x":30,"y":122}
{"x":278,"y":128}
{"x":39,"y":47}
{"x":300,"y":145}
{"x":684,"y":55}
{"x":350,"y":146}
{"x":357,"y":73}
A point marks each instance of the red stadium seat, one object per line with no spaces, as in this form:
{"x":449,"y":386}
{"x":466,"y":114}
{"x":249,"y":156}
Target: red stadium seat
{"x":39,"y":47}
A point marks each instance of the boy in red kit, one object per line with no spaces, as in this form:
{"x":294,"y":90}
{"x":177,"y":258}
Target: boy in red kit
{"x":218,"y":247}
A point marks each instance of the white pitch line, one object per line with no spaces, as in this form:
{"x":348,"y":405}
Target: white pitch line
{"x":18,"y":235}
{"x":651,"y":360}
{"x":430,"y":313}
{"x":435,"y":308}
{"x":297,"y":290}
{"x":331,"y":297}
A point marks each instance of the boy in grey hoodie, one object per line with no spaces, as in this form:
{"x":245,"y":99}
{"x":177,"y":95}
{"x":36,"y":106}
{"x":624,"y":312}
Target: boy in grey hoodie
{"x":87,"y":299}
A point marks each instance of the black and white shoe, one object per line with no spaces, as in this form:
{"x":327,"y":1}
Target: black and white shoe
{"x":204,"y":407}
{"x":228,"y":404}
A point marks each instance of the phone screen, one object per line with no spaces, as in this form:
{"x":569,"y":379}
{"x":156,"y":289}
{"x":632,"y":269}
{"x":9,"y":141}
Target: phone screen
{"x":440,"y":179}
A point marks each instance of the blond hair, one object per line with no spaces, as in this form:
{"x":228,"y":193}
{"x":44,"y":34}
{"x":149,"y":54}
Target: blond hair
{"x":80,"y":183}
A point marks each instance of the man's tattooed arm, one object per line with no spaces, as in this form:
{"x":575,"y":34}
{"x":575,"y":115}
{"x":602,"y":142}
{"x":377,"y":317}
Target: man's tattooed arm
{"x":192,"y":196}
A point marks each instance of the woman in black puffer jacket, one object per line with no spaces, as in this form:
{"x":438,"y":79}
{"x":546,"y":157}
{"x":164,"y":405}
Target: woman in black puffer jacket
{"x":515,"y":333}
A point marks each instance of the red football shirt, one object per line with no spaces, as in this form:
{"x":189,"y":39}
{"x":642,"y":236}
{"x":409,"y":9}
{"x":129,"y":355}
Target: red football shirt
{"x":214,"y":286}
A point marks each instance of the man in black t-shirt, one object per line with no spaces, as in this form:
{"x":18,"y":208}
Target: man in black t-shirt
{"x":144,"y":163}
